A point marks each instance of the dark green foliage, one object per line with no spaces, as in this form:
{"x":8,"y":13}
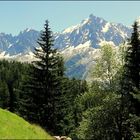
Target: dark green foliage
{"x":99,"y":115}
{"x":70,"y":112}
{"x":132,"y":63}
{"x":131,"y":78}
{"x":10,"y":79}
{"x":4,"y":95}
{"x":132,"y":70}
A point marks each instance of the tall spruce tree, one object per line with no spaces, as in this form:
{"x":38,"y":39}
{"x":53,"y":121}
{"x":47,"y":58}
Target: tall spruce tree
{"x":130,"y":85}
{"x":49,"y":70}
{"x":42,"y":88}
{"x":132,"y":68}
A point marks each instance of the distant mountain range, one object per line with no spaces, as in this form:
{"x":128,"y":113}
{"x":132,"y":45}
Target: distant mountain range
{"x":78,"y":44}
{"x":24,"y":42}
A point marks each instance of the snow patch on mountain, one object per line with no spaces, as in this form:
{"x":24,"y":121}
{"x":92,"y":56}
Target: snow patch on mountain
{"x":26,"y":58}
{"x":103,"y":42}
{"x":28,"y":29}
{"x":83,"y":46}
{"x":2,"y":54}
{"x":86,"y":21}
{"x":10,"y":45}
{"x":106,"y":27}
{"x":70,"y":29}
{"x":71,"y":50}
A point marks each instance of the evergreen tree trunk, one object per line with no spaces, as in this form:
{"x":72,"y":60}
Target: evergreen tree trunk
{"x":11,"y":97}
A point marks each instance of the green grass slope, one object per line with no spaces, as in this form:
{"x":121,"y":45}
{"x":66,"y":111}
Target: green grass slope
{"x":14,"y":127}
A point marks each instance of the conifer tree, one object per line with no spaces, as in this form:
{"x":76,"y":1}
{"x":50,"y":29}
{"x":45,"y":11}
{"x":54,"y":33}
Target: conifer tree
{"x":130,"y":85}
{"x":132,"y":68}
{"x":43,"y":84}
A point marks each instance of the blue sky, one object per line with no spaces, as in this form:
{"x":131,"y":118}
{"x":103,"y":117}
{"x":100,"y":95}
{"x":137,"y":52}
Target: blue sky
{"x":19,"y":15}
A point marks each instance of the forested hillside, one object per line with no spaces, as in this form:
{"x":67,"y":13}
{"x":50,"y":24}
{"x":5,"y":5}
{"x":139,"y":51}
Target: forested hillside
{"x":106,"y":108}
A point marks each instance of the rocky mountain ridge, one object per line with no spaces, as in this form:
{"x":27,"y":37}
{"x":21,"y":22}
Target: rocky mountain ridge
{"x":78,"y":44}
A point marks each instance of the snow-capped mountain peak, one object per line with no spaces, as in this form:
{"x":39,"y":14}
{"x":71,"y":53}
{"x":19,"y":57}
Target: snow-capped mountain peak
{"x":95,"y":29}
{"x":78,"y":43}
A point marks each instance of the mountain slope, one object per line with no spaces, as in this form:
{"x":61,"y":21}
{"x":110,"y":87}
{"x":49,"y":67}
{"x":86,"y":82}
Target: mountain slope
{"x":14,"y":127}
